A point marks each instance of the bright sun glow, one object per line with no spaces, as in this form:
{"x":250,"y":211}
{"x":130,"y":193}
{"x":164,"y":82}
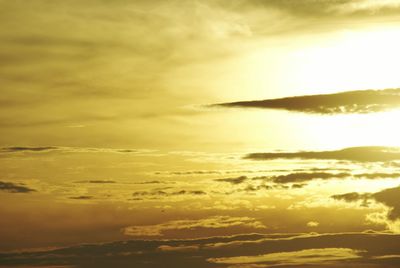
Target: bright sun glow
{"x":355,"y":60}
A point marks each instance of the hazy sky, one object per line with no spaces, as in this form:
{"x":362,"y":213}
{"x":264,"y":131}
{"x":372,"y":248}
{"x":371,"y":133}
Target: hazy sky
{"x":242,"y":133}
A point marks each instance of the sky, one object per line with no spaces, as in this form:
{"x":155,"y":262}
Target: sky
{"x":208,"y":133}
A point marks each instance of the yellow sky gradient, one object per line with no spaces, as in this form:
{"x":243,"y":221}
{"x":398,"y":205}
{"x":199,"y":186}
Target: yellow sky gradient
{"x":123,"y":121}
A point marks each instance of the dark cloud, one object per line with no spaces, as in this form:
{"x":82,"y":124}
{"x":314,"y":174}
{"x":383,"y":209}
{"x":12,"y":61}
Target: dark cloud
{"x":253,"y":188}
{"x":162,"y":193}
{"x":297,"y":178}
{"x":194,"y":172}
{"x":298,"y":185}
{"x":353,"y":250}
{"x":237,"y":180}
{"x":361,"y":101}
{"x":14,"y":188}
{"x":44,"y":149}
{"x":388,"y":197}
{"x":98,"y":181}
{"x":303,"y":176}
{"x":351,"y":197}
{"x":82,"y":197}
{"x":154,"y":182}
{"x":377,"y":175}
{"x":358,"y":154}
{"x":28,"y":149}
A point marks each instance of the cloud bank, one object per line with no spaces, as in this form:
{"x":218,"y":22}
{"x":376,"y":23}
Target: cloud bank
{"x":247,"y":250}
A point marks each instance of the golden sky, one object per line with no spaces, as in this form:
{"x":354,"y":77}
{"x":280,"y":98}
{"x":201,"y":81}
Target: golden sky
{"x":209,"y":133}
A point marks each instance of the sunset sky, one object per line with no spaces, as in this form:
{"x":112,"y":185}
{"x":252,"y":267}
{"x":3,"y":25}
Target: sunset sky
{"x":202,"y":134}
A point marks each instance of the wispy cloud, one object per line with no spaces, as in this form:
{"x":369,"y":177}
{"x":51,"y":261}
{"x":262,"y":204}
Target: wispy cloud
{"x":362,"y":101}
{"x":46,"y":149}
{"x":160,"y":193}
{"x":215,"y":222}
{"x":302,"y":257}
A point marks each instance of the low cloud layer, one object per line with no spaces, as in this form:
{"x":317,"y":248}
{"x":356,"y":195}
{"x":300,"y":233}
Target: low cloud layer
{"x":247,"y":250}
{"x":358,"y":154}
{"x":361,"y":101}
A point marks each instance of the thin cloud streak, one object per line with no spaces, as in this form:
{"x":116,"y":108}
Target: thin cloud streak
{"x":356,"y":154}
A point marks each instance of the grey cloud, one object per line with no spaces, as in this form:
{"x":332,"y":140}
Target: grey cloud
{"x":361,"y":101}
{"x":357,"y":154}
{"x":14,"y":188}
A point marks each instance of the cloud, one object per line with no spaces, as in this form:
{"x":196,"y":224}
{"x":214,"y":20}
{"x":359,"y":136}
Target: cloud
{"x":331,"y":8}
{"x":193,"y":172}
{"x":237,"y":180}
{"x":323,"y":250}
{"x":82,"y":197}
{"x":157,"y":193}
{"x":17,"y":149}
{"x":46,"y":149}
{"x":357,"y":154}
{"x":301,"y":257}
{"x":216,"y":222}
{"x":361,"y":101}
{"x":98,"y":181}
{"x":154,"y":182}
{"x":303,"y":176}
{"x":351,"y":197}
{"x":367,"y":6}
{"x":312,"y":224}
{"x":377,"y":175}
{"x":388,"y":197}
{"x":14,"y":188}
